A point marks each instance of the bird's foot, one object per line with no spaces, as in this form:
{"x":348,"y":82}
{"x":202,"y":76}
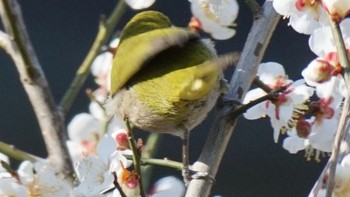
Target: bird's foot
{"x":203,"y":175}
{"x":186,"y":175}
{"x":224,"y":101}
{"x":189,"y":175}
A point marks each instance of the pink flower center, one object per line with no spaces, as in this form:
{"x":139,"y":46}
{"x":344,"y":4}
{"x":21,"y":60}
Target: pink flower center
{"x":325,"y":70}
{"x":303,"y":128}
{"x":89,"y":147}
{"x":132,"y":184}
{"x":312,"y":5}
{"x":332,"y":58}
{"x":321,"y":109}
{"x":302,"y":4}
{"x":282,"y":97}
{"x":129,"y":178}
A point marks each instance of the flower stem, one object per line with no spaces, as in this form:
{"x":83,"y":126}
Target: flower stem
{"x":121,"y":192}
{"x":159,"y":162}
{"x":262,"y":85}
{"x":270,"y":96}
{"x":135,"y":154}
{"x":14,"y":153}
{"x":152,"y":146}
{"x":344,"y":62}
{"x":106,"y":28}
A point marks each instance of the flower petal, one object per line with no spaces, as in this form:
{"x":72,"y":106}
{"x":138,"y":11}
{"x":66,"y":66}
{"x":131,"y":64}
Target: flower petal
{"x":139,"y":4}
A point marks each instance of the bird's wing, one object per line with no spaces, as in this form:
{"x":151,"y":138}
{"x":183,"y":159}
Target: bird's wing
{"x":136,"y":51}
{"x":205,"y":79}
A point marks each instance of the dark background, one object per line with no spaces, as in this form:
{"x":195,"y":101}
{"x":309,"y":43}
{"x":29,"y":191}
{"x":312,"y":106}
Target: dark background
{"x":62,"y":32}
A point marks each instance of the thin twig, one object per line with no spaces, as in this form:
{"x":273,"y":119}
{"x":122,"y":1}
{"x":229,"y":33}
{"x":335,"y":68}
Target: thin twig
{"x":16,"y":154}
{"x":135,"y":154}
{"x":106,"y":29}
{"x":116,"y":184}
{"x":222,"y":129}
{"x":152,"y":146}
{"x":261,"y":84}
{"x":159,"y":162}
{"x":270,"y":96}
{"x":37,"y":88}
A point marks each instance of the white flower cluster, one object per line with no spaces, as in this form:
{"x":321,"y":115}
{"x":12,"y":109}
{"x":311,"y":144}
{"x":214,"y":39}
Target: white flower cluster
{"x":32,"y":179}
{"x":307,"y":15}
{"x":215,"y":17}
{"x":308,"y":110}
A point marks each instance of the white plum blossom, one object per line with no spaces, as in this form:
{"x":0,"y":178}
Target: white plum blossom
{"x":168,"y":187}
{"x":334,"y":88}
{"x":139,"y":4}
{"x":341,"y":179}
{"x":215,"y":17}
{"x":43,"y":181}
{"x":95,"y":172}
{"x":304,"y":15}
{"x":316,"y":134}
{"x":10,"y":187}
{"x":319,"y":71}
{"x":321,"y":42}
{"x":338,"y":9}
{"x":101,"y":68}
{"x":83,"y":132}
{"x":34,"y":179}
{"x":86,"y":129}
{"x":281,"y":109}
{"x":320,"y":139}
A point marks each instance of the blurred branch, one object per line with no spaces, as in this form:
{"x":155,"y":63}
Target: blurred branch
{"x":135,"y":154}
{"x":36,"y":86}
{"x":16,"y":154}
{"x":222,"y":129}
{"x":158,"y":162}
{"x":254,"y":8}
{"x":106,"y":28}
{"x":152,"y":146}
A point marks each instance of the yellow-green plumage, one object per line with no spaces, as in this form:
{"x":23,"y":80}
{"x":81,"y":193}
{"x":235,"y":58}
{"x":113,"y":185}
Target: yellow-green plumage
{"x":165,"y":79}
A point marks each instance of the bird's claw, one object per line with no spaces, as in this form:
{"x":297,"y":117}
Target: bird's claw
{"x":203,"y":175}
{"x":189,"y":175}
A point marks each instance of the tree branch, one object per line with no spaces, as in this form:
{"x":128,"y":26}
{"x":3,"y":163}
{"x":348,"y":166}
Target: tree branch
{"x":16,"y":154}
{"x":36,"y":87}
{"x":105,"y":31}
{"x":152,"y":146}
{"x":222,"y":129}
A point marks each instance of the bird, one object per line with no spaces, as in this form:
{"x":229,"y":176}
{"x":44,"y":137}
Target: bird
{"x":165,"y":79}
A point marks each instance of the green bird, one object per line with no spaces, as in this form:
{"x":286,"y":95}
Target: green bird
{"x":165,"y":79}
